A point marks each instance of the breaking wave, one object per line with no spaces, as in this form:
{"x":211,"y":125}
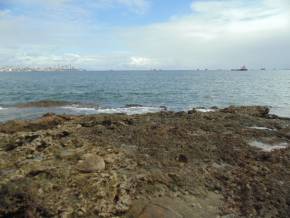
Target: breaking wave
{"x":124,"y":110}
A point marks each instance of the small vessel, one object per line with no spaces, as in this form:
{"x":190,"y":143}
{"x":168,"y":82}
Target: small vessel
{"x":243,"y":68}
{"x":263,"y":68}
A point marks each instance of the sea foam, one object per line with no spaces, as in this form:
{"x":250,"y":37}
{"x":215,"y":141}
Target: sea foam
{"x":125,"y":110}
{"x":205,"y":110}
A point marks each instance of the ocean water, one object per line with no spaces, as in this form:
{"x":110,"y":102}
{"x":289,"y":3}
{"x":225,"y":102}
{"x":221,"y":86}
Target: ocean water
{"x":111,"y":91}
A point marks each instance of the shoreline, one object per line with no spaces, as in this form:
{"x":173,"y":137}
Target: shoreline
{"x":228,"y":162}
{"x":35,"y":109}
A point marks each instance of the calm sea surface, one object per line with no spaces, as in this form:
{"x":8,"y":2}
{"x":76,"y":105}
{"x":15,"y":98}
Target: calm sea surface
{"x":109,"y":92}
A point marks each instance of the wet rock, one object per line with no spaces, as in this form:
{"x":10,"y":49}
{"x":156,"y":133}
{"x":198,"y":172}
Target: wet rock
{"x":257,"y":111}
{"x":91,"y":163}
{"x":48,"y":115}
{"x":63,"y":134}
{"x":11,"y":146}
{"x":181,"y":113}
{"x":158,"y":211}
{"x":192,"y":111}
{"x":133,"y":105}
{"x":182,"y":158}
{"x":107,"y":122}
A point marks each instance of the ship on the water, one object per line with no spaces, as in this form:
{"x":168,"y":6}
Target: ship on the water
{"x":243,"y":68}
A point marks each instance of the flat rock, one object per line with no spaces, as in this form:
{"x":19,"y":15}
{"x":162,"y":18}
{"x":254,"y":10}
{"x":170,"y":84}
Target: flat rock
{"x":91,"y":163}
{"x":257,"y":111}
{"x":158,"y":211}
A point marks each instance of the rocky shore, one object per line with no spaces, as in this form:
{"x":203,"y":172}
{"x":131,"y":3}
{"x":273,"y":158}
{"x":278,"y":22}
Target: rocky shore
{"x":231,"y":162}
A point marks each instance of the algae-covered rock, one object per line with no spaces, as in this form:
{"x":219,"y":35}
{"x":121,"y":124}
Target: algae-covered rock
{"x":258,"y":111}
{"x":91,"y":163}
{"x":163,"y":164}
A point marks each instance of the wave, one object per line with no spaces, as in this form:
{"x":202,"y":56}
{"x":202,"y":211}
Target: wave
{"x":2,"y":108}
{"x":124,"y":110}
{"x":204,"y":110}
{"x":79,"y":109}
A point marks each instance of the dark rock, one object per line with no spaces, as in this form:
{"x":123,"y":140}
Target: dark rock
{"x":133,"y":105}
{"x":10,"y":146}
{"x":257,"y":111}
{"x":107,"y":122}
{"x":63,"y":134}
{"x":182,"y":158}
{"x":193,"y":111}
{"x":164,"y":108}
{"x":17,"y":202}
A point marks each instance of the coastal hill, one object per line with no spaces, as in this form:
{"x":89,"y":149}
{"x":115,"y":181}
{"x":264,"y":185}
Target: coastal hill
{"x":231,"y":162}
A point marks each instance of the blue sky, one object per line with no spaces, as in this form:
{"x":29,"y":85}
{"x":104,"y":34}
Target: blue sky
{"x":145,"y":34}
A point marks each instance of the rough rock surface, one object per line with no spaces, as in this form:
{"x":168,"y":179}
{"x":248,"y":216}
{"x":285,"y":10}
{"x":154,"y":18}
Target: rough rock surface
{"x":154,"y":165}
{"x":91,"y":163}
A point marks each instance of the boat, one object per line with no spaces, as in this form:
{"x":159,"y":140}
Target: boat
{"x":243,"y":68}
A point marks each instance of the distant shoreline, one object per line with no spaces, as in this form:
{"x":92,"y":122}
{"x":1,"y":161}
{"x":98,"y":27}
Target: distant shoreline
{"x":134,"y":70}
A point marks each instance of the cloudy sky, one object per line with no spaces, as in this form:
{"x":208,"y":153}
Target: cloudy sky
{"x":145,"y":34}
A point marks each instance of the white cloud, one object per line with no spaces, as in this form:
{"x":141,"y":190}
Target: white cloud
{"x":216,"y":34}
{"x":140,"y":61}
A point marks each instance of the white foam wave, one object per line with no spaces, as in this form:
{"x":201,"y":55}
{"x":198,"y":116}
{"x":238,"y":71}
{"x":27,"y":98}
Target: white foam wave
{"x":79,"y":109}
{"x":130,"y":110}
{"x":204,"y":110}
{"x":2,"y":108}
{"x":125,"y":110}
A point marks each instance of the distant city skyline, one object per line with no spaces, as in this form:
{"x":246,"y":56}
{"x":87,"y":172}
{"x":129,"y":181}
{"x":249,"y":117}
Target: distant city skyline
{"x":145,"y":34}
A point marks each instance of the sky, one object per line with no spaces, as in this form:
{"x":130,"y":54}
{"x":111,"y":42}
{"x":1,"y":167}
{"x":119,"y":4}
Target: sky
{"x":145,"y":34}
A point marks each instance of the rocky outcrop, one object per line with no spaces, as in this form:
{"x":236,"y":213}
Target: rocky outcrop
{"x":258,"y":111}
{"x":155,"y":165}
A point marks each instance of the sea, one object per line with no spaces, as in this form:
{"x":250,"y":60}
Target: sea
{"x":137,"y":92}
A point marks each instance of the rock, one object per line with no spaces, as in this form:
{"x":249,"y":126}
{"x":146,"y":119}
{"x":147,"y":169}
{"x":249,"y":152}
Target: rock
{"x":180,"y":113}
{"x":158,"y":211}
{"x":107,"y":123}
{"x":163,"y":164}
{"x":257,"y":111}
{"x":133,"y":105}
{"x":91,"y":163}
{"x":192,"y":111}
{"x":182,"y":158}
